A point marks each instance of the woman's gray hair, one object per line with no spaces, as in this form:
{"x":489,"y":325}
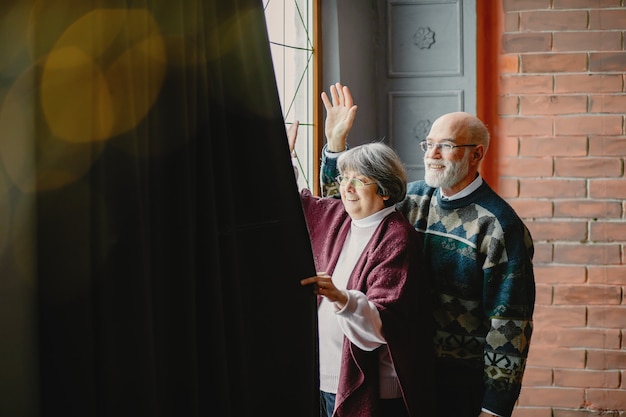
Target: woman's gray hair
{"x":380,"y":163}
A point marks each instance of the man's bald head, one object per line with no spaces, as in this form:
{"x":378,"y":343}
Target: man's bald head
{"x":463,"y":127}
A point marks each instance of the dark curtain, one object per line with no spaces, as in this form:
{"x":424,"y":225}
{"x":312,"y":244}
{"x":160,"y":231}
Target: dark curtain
{"x":151,"y":235}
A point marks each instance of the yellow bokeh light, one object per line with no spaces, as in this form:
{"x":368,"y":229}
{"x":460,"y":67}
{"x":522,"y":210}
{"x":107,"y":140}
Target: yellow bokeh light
{"x":75,"y":97}
{"x":103,"y":74}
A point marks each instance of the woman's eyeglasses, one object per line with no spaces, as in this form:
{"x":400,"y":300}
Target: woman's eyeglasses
{"x":356,"y":183}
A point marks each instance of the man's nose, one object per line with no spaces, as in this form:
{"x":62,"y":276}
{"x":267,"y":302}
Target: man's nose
{"x":434,"y":151}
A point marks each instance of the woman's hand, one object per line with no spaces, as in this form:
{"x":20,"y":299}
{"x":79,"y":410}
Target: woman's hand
{"x":323,"y":285}
{"x":340,"y":114}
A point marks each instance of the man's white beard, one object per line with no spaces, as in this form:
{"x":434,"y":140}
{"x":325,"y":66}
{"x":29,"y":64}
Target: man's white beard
{"x":451,"y":175}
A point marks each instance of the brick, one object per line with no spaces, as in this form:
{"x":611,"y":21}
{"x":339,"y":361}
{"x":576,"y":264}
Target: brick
{"x":535,"y":376}
{"x":577,"y":337}
{"x":607,"y":146}
{"x":583,"y":412}
{"x":554,"y":62}
{"x":584,"y":4}
{"x":508,"y":187}
{"x":589,"y":209}
{"x":598,"y":125}
{"x":549,"y":356}
{"x":526,"y":42}
{"x":606,"y":359}
{"x":552,"y":230}
{"x":518,"y":126}
{"x":527,"y":84}
{"x":508,"y":105}
{"x":543,"y":253}
{"x":525,"y":167}
{"x":553,"y":188}
{"x":517,"y":5}
{"x":531,"y":411}
{"x":543,"y":294}
{"x":608,"y":231}
{"x":587,"y":294}
{"x":607,"y":316}
{"x":589,"y":254}
{"x":511,"y":22}
{"x":552,"y":397}
{"x":586,"y":378}
{"x":508,"y":64}
{"x":543,"y":20}
{"x":607,"y":61}
{"x":607,"y":19}
{"x":532,"y":208}
{"x":553,"y":146}
{"x":607,"y":103}
{"x":563,"y":316}
{"x":607,"y":189}
{"x":553,"y":104}
{"x":606,"y":399}
{"x":588,"y":167}
{"x":508,"y":146}
{"x":597,"y":83}
{"x":608,"y":275}
{"x":556,"y":274}
{"x":586,"y":41}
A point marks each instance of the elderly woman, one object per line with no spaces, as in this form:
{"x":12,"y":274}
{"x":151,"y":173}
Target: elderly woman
{"x":375,"y":348}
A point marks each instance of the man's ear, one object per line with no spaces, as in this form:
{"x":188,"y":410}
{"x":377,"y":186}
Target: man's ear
{"x":478,"y":153}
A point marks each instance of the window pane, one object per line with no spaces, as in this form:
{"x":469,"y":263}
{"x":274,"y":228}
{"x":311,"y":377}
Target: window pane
{"x":289,"y":24}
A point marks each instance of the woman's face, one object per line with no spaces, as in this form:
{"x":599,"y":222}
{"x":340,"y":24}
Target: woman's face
{"x":360,"y":201}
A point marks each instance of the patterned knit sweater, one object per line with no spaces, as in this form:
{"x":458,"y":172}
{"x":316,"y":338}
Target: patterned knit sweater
{"x":479,"y":255}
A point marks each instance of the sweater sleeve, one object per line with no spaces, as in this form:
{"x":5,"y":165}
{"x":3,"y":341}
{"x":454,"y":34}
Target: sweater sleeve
{"x":328,"y":173}
{"x":509,"y":299}
{"x":360,"y":321}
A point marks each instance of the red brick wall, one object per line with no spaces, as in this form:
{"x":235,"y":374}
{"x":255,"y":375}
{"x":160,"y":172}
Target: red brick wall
{"x":561,"y":152}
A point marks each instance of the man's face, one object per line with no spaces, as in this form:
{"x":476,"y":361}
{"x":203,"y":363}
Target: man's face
{"x":446,"y":170}
{"x":448,"y":160}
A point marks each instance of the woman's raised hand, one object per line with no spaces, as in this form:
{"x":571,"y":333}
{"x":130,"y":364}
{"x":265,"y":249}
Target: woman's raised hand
{"x":340,"y":114}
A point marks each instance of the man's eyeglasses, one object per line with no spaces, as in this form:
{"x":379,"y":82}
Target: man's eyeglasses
{"x":356,"y":183}
{"x":443,"y":147}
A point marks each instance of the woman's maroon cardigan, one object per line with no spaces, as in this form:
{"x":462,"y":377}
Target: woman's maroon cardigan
{"x":391,"y":274}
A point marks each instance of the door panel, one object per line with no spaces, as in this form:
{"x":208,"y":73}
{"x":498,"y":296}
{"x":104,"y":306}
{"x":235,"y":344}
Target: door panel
{"x":430,"y":61}
{"x":411,"y":115}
